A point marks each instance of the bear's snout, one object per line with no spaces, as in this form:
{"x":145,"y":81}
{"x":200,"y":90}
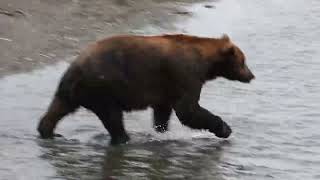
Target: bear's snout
{"x":248,"y":75}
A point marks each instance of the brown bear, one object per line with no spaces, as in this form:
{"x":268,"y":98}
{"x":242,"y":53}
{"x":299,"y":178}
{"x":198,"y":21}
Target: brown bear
{"x":166,"y":72}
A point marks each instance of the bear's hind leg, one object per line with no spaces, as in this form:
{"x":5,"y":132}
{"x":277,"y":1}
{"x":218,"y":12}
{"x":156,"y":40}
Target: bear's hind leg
{"x":56,"y":111}
{"x":161,"y":116}
{"x":112,"y":119}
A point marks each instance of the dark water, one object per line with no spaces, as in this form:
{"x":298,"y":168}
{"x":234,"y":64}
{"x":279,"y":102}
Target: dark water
{"x":275,"y":119}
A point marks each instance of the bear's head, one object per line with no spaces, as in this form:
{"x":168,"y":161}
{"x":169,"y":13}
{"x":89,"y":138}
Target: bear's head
{"x":232,"y":62}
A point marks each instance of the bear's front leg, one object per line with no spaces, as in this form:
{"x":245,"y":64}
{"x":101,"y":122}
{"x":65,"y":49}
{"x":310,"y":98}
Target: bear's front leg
{"x":199,"y":118}
{"x":191,"y":114}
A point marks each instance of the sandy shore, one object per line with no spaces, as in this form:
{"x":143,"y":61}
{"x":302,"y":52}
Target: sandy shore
{"x":35,"y":33}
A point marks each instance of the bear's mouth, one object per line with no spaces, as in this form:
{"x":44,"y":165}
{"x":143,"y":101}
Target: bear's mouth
{"x":247,"y":79}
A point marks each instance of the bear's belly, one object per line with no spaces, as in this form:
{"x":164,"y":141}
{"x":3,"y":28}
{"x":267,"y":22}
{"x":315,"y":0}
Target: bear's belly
{"x":142,"y":101}
{"x":127,"y":97}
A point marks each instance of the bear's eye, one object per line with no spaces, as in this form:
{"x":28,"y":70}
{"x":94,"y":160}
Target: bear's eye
{"x":242,"y":63}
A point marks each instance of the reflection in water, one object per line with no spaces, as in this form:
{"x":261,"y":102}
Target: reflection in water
{"x":151,"y":160}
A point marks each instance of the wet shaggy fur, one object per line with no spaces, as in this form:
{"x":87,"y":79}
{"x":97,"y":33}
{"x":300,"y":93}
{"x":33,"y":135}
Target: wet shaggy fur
{"x":166,"y":73}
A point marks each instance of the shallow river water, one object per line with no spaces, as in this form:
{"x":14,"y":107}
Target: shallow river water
{"x":275,"y":119}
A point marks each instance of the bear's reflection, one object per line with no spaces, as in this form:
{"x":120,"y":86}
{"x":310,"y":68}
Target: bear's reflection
{"x":149,"y":160}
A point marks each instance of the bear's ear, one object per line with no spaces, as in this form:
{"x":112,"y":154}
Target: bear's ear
{"x":225,"y":37}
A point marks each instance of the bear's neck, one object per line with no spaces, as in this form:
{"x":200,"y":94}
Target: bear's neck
{"x":213,"y":70}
